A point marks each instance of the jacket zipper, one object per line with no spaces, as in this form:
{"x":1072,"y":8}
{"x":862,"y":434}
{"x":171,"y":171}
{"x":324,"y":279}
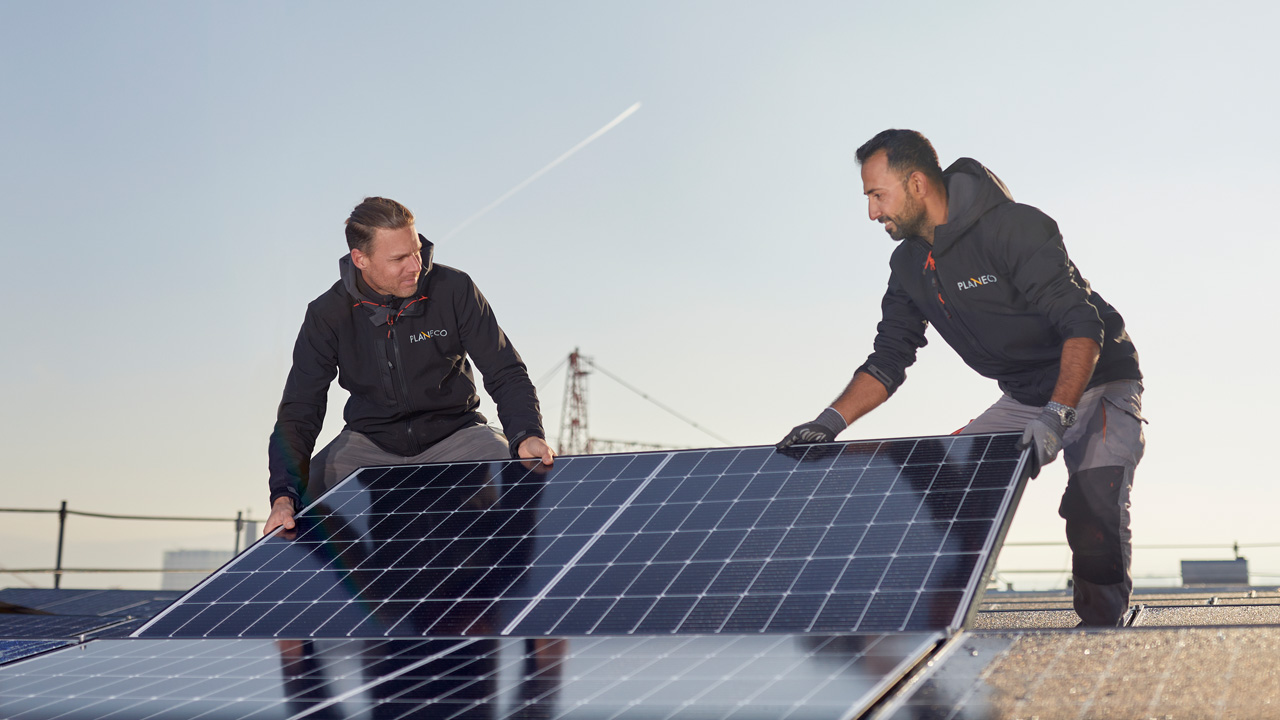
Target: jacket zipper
{"x":931,"y":268}
{"x":398,"y":366}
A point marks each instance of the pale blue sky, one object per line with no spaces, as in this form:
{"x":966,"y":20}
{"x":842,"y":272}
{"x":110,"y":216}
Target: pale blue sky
{"x":173,"y":179}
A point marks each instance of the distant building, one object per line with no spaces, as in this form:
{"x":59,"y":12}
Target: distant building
{"x":201,"y":562}
{"x":1215,"y":572}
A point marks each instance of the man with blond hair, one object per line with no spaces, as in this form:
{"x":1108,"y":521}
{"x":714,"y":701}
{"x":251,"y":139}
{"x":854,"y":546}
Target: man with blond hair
{"x":403,"y":332}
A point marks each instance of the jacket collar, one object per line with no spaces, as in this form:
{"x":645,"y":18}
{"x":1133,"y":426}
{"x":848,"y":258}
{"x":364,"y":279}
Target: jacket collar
{"x":386,"y":309}
{"x":972,"y":190}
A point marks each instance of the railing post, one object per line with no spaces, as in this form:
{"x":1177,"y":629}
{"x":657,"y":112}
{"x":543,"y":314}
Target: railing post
{"x":239,"y":529}
{"x":62,"y":528}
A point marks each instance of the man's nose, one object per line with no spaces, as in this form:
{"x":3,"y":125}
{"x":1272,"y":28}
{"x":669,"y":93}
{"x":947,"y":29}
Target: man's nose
{"x":873,"y":211}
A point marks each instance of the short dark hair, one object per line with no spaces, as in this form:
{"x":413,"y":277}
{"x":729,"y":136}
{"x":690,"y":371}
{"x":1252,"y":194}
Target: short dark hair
{"x":374,"y":213}
{"x":906,"y":150}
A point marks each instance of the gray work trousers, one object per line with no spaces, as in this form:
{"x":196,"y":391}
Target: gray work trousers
{"x":351,"y":450}
{"x":1101,"y":452}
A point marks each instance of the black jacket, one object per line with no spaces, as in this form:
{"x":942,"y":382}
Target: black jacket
{"x":998,"y":286}
{"x":405,"y":364}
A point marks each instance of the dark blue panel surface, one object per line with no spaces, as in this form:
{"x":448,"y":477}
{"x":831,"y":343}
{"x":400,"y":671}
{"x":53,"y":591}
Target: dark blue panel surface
{"x":416,"y":550}
{"x":11,"y":650}
{"x":52,"y":626}
{"x":133,"y":603}
{"x":863,"y":536}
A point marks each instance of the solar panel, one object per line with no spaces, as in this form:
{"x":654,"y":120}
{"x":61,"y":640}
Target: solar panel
{"x":811,"y":677}
{"x":135,"y":603}
{"x":865,"y":536}
{"x":706,"y":584}
{"x":11,"y":650}
{"x":51,"y":626}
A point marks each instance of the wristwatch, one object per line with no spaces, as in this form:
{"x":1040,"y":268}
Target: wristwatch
{"x":1066,"y":414}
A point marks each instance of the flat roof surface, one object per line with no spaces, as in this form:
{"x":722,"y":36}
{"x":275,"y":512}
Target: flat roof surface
{"x":1189,"y":653}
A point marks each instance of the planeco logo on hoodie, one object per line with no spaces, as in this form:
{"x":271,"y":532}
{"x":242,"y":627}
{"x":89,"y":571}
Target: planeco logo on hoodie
{"x":427,"y":335}
{"x":974,"y":282}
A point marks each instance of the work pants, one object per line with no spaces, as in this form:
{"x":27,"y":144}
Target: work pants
{"x":351,"y":450}
{"x":1101,"y":452}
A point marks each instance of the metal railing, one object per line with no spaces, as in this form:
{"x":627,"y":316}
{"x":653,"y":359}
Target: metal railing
{"x":1234,"y":547}
{"x":62,"y":514}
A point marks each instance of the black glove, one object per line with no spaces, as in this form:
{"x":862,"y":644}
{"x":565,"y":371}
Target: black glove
{"x":1044,"y":435}
{"x":824,"y":428}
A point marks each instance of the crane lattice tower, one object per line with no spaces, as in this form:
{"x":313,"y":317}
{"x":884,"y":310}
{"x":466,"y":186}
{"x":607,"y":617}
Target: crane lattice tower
{"x":574,"y":437}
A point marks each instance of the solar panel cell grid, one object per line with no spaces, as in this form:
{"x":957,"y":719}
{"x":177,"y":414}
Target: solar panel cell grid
{"x":868,"y":535}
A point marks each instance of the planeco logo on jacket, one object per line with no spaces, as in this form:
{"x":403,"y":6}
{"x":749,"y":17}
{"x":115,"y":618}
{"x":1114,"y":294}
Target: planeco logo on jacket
{"x":976,"y":282}
{"x":427,"y":335}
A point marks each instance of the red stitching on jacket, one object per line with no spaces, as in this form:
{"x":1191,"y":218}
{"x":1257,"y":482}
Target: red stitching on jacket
{"x":408,"y":305}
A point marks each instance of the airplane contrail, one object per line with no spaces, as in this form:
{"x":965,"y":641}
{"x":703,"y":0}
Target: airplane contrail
{"x":609,"y":126}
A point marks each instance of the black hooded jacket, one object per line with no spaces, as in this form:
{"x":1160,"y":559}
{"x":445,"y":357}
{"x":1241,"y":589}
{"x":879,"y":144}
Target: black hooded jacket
{"x":998,"y":286}
{"x":405,"y":363}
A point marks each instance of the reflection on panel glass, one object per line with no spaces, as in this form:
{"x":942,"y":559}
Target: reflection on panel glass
{"x":52,"y":626}
{"x":11,"y":650}
{"x":62,"y":601}
{"x":866,"y":536}
{"x":762,"y":676}
{"x":951,"y":688}
{"x":404,"y":551}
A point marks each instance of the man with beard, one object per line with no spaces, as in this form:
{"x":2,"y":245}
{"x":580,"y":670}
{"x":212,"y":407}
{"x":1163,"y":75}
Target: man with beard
{"x":400,"y":329}
{"x":993,"y":278}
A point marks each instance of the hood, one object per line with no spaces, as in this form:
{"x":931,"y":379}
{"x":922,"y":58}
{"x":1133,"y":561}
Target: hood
{"x":972,"y":191}
{"x":382,"y":307}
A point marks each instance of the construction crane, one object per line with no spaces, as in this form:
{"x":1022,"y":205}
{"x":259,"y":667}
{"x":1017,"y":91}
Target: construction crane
{"x":575,"y":438}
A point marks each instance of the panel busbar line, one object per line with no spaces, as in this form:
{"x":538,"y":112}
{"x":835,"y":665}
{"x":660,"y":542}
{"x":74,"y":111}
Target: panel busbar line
{"x":864,"y":536}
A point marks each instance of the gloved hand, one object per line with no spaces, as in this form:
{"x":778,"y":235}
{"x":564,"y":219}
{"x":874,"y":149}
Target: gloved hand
{"x":1044,"y":434}
{"x":824,"y":428}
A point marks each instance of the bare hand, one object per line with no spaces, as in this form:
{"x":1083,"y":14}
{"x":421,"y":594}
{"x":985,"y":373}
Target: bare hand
{"x":281,"y":515}
{"x":535,"y":447}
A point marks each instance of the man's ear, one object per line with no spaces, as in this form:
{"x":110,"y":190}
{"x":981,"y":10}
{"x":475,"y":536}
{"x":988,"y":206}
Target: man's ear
{"x":918,"y":184}
{"x":359,"y":259}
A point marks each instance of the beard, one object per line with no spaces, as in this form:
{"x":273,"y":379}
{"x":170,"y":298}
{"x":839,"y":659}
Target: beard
{"x":910,"y":222}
